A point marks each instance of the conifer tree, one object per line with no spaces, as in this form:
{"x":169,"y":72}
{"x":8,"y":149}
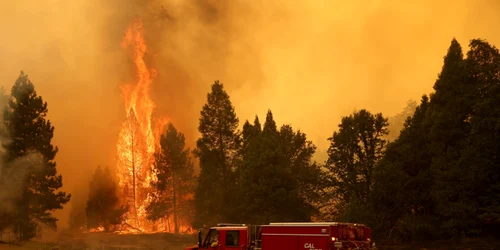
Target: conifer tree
{"x":31,"y":132}
{"x":175,"y":181}
{"x":104,"y":208}
{"x":277,"y":177}
{"x":354,"y":152}
{"x":217,"y":151}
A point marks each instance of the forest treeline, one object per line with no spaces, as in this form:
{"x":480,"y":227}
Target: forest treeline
{"x":438,"y":178}
{"x":430,"y":172}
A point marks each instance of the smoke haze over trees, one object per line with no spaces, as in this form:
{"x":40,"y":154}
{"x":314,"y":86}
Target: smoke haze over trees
{"x":439,"y":178}
{"x":396,"y":122}
{"x":72,"y":52}
{"x":436,"y":176}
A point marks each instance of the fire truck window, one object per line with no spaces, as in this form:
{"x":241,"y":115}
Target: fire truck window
{"x":232,"y":238}
{"x":212,"y":237}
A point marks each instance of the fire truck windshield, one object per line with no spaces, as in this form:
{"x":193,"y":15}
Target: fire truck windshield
{"x":212,"y":239}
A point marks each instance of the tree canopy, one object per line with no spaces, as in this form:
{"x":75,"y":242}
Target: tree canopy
{"x":30,"y":134}
{"x":104,"y":207}
{"x":277,"y":177}
{"x":216,"y":150}
{"x":440,"y":178}
{"x":429,"y":172}
{"x":354,"y":152}
{"x":175,"y":180}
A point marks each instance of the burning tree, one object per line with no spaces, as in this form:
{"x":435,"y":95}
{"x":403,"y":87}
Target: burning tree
{"x":134,"y":158}
{"x":138,"y":142}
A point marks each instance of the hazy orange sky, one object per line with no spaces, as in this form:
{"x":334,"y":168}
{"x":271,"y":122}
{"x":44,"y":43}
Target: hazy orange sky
{"x":310,"y":62}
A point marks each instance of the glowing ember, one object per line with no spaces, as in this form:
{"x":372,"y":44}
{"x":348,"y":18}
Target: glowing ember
{"x":99,"y":229}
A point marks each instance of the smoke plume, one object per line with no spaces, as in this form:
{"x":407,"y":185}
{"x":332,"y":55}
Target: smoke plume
{"x":13,"y":176}
{"x":310,"y":62}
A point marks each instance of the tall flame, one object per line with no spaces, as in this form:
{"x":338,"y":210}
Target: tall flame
{"x":139,"y":140}
{"x":136,"y":145}
{"x":136,"y":96}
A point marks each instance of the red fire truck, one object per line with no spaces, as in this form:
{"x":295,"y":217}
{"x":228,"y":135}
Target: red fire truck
{"x":286,"y":236}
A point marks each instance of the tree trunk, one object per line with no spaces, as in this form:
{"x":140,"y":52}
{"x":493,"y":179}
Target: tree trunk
{"x":132,"y":151}
{"x":176,"y":224}
{"x":134,"y":195}
{"x":168,"y":224}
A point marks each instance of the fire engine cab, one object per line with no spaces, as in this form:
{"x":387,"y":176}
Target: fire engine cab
{"x":286,"y":236}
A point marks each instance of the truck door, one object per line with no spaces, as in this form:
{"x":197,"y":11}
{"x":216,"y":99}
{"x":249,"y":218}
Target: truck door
{"x":235,"y":240}
{"x":213,"y":240}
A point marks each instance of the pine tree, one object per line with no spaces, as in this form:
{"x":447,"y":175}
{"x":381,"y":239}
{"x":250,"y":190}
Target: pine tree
{"x":442,"y":171}
{"x":467,"y":207}
{"x":448,"y":119}
{"x":277,"y":177}
{"x":263,"y":185}
{"x":161,"y":205}
{"x":401,"y":198}
{"x":133,"y":156}
{"x":30,"y":132}
{"x":104,"y":208}
{"x":298,"y":154}
{"x":250,"y":132}
{"x":353,"y":154}
{"x":175,"y":181}
{"x":481,"y":156}
{"x":217,"y":151}
{"x":4,"y":102}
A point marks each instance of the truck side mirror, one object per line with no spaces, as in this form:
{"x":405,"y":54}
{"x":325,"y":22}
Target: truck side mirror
{"x":199,"y":239}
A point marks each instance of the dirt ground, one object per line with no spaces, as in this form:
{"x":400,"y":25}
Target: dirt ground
{"x":483,"y":243}
{"x":106,"y":241}
{"x":165,"y":241}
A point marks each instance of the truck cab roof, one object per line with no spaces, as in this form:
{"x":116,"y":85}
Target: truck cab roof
{"x":228,"y":228}
{"x":315,"y":224}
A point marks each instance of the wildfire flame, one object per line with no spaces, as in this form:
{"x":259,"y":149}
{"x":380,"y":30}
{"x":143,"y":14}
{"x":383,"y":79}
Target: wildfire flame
{"x":139,"y":137}
{"x":136,"y":144}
